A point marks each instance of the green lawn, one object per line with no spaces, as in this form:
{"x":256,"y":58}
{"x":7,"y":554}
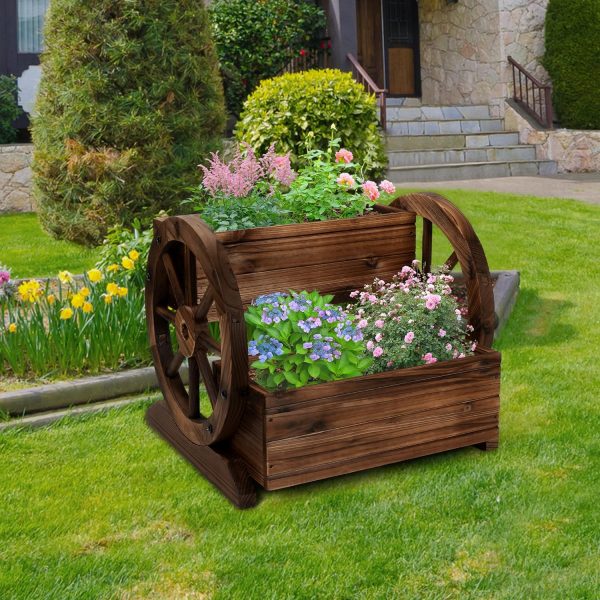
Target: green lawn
{"x":30,"y":252}
{"x":101,"y":508}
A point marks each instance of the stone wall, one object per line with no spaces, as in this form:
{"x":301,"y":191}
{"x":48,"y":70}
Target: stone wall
{"x":575,"y":151}
{"x":15,"y":178}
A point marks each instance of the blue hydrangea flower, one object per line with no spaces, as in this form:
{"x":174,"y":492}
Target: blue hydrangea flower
{"x":323,"y":349}
{"x":273,"y":298}
{"x":300,"y":303}
{"x":265,"y":348}
{"x":310,"y":323}
{"x":331,"y":314}
{"x":274,"y":314}
{"x":347,"y":331}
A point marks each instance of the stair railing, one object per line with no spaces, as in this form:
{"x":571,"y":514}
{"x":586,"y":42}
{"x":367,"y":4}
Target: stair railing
{"x":360,"y":75}
{"x":533,"y":96}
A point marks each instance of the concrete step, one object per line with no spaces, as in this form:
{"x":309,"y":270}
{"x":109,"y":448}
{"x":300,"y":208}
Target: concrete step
{"x":443,"y":142}
{"x":473,"y":170}
{"x":407,"y":158}
{"x":439,"y":127}
{"x":436,"y":113}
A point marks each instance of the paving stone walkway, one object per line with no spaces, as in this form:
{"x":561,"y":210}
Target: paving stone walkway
{"x":578,"y":186}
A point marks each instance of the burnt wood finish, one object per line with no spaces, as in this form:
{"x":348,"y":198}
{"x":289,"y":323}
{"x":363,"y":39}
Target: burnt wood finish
{"x":319,"y":431}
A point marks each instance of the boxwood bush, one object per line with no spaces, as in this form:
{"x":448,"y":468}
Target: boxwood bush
{"x":130,"y":102}
{"x":573,"y":61}
{"x":255,"y":40}
{"x":9,"y":110}
{"x":302,"y":111}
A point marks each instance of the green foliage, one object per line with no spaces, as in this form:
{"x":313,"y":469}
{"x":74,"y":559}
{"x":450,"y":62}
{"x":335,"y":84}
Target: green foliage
{"x":298,"y":112}
{"x":302,"y":339}
{"x":256,"y":39}
{"x":9,"y":109}
{"x":130,"y":102}
{"x":573,"y":61}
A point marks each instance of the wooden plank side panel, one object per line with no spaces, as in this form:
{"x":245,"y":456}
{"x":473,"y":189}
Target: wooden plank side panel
{"x":437,"y":444}
{"x":362,"y":407}
{"x":373,"y":438}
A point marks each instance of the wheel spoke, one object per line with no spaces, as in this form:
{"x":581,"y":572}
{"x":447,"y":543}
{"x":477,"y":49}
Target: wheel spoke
{"x":208,"y":342}
{"x":174,"y":365}
{"x":173,"y":280}
{"x":451,"y":261}
{"x":190,"y":284}
{"x":202,"y":309}
{"x":193,"y":389}
{"x":165,"y":313}
{"x":207,"y":376}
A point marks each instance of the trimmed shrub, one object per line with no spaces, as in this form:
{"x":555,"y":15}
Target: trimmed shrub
{"x":256,"y":39}
{"x":130,"y":102}
{"x":573,"y":61}
{"x":9,"y":109}
{"x":304,"y":111}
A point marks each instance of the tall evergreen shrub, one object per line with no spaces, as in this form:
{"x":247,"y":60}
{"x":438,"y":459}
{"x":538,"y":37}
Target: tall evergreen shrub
{"x":573,"y":61}
{"x":130,"y":103}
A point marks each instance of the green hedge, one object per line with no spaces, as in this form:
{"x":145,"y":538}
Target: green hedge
{"x":9,"y":109}
{"x":254,"y":40}
{"x":130,"y":103}
{"x":302,"y":111}
{"x":573,"y":61}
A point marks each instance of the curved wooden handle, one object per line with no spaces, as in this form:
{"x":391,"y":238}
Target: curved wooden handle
{"x":468,"y":251}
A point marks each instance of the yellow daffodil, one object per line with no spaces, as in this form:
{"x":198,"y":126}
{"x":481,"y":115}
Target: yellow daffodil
{"x":127,"y":263}
{"x":87,"y":307}
{"x":30,"y":291}
{"x":12,"y":328}
{"x":122,"y":292}
{"x":134,"y":254}
{"x":51,"y":299}
{"x":65,"y":277}
{"x":108,"y":299}
{"x":84,"y":291}
{"x":112,"y":289}
{"x":94,"y":275}
{"x":77,"y":301}
{"x":66,"y":313}
{"x":113,"y":268}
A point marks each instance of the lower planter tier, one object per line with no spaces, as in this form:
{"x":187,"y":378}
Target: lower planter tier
{"x":331,"y":429}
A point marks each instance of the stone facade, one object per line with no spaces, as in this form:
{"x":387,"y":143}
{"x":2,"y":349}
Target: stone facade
{"x":574,"y":151}
{"x":15,"y":178}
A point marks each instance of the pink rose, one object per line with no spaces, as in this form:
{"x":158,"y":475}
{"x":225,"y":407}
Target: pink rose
{"x":387,"y":186}
{"x":362,"y":323}
{"x":448,"y":347}
{"x":345,"y":179}
{"x":432,"y":301}
{"x":344,"y":155}
{"x":409,"y":337}
{"x":379,"y":323}
{"x":370,"y":345}
{"x":442,"y":333}
{"x":378,"y":337}
{"x":378,"y":352}
{"x":429,"y":358}
{"x":370,"y":190}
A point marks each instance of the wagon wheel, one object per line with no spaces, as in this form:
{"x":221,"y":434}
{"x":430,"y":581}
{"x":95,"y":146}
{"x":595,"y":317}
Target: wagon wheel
{"x":183,"y":252}
{"x":467,"y":251}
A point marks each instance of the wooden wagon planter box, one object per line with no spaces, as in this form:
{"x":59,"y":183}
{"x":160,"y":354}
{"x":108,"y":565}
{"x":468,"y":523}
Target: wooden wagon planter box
{"x":281,"y":439}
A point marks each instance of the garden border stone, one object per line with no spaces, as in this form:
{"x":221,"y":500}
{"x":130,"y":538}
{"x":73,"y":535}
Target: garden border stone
{"x":100,"y":389}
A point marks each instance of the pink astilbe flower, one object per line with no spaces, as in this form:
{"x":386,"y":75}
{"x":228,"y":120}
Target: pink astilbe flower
{"x":345,"y":179}
{"x":278,"y":166}
{"x":387,"y":186}
{"x":344,"y":155}
{"x":370,"y":190}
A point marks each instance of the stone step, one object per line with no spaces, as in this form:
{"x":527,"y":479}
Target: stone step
{"x":436,"y":113}
{"x":444,"y":127}
{"x":474,"y":170}
{"x":449,"y":142}
{"x":405,"y":158}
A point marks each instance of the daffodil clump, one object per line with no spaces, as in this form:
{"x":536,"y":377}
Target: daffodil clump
{"x":87,"y":323}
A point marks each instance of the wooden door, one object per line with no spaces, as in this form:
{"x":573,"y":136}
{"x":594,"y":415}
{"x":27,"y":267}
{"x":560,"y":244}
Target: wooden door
{"x":401,"y":35}
{"x":370,"y":39}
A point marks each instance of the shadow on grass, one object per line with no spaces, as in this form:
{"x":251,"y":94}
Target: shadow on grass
{"x":538,"y":321}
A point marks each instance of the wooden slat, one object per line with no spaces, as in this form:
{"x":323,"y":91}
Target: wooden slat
{"x":361,"y":439}
{"x":438,"y":444}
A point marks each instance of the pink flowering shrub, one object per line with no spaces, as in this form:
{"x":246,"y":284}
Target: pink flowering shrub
{"x":412,"y":320}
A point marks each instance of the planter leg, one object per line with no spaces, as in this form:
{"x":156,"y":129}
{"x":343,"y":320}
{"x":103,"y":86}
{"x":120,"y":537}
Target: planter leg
{"x":486,"y":446}
{"x":227,"y":473}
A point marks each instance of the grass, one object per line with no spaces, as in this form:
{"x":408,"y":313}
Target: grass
{"x":30,"y":252}
{"x":101,"y":508}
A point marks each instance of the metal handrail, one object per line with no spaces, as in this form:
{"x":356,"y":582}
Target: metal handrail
{"x":359,"y":73}
{"x":540,"y":107}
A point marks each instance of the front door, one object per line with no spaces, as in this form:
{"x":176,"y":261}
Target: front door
{"x":388,"y":44}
